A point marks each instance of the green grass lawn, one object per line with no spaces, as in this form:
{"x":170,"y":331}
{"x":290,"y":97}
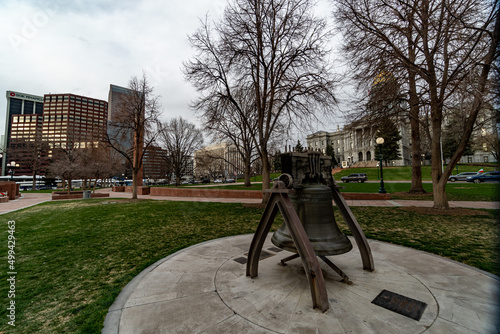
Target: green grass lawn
{"x":74,"y":257}
{"x":458,"y":191}
{"x":404,"y":173}
{"x":258,"y":178}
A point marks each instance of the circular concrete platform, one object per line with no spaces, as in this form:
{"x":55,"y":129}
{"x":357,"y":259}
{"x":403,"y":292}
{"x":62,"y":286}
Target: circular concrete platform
{"x":203,"y":289}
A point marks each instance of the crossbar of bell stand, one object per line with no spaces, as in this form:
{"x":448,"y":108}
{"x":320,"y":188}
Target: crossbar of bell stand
{"x":339,"y":271}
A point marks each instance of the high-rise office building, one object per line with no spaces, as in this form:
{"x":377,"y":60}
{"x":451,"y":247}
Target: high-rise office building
{"x":154,"y":163}
{"x":74,"y":120}
{"x":20,"y":104}
{"x":26,"y":146}
{"x":116,"y":97}
{"x":121,"y":136}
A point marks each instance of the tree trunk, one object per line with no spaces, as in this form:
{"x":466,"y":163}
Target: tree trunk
{"x":95,"y":184}
{"x":33,"y":186}
{"x":416,"y":164}
{"x":438,"y":181}
{"x":68,"y":181}
{"x":416,"y":168}
{"x":134,"y":183}
{"x":439,"y":192}
{"x":265,"y":176}
{"x":247,"y":172}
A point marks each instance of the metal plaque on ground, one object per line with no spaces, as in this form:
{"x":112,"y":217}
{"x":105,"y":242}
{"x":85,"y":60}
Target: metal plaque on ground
{"x":403,"y":305}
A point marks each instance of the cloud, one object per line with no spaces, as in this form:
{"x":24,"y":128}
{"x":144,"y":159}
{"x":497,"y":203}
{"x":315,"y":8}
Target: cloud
{"x":81,"y":47}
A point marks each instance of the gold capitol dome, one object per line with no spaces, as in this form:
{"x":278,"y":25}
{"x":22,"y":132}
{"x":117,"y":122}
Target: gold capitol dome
{"x":382,"y":77}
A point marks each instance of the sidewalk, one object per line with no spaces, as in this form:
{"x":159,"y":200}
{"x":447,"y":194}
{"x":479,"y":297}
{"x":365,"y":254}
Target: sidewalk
{"x":389,"y":203}
{"x":30,"y":199}
{"x":26,"y":200}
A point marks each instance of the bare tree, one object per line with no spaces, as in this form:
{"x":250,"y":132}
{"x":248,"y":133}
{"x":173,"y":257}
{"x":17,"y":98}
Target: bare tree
{"x":134,"y":127}
{"x":276,"y":51}
{"x":433,"y":48}
{"x":32,"y":154}
{"x":180,"y":138}
{"x":224,"y":122}
{"x":66,"y":163}
{"x":98,"y":162}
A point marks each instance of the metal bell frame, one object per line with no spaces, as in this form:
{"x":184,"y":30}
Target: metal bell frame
{"x":279,"y":200}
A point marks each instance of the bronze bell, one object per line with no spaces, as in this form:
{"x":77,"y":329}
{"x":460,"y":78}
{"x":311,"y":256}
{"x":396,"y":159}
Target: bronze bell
{"x":313,"y":204}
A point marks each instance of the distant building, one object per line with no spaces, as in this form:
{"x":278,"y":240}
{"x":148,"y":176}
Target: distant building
{"x":124,"y":140}
{"x":75,"y":120}
{"x":355,"y":146}
{"x":20,"y":104}
{"x":26,"y":146}
{"x":220,"y":160}
{"x":116,"y":96}
{"x":485,"y":138}
{"x":155,"y":163}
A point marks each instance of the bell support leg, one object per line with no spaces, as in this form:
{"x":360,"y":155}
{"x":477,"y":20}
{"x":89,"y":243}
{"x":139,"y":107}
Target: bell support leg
{"x":290,"y":258}
{"x":345,"y":279}
{"x":357,"y":232}
{"x":306,"y":252}
{"x":266,"y":221}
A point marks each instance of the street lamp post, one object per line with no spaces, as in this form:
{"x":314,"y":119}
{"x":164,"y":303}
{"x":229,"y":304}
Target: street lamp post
{"x":380,"y":141}
{"x":12,"y":165}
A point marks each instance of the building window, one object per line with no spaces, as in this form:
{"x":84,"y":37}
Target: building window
{"x":485,"y":158}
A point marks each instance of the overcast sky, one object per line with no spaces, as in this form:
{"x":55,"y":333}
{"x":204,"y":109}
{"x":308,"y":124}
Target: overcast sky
{"x":81,"y":47}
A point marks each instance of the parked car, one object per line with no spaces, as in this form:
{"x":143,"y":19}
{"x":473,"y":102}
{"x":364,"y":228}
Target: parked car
{"x":360,"y":177}
{"x":229,"y":181}
{"x":461,"y":176}
{"x":485,"y":177}
{"x":205,"y":181}
{"x":218,"y":181}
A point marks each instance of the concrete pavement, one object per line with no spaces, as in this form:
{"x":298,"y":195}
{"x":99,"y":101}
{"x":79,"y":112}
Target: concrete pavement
{"x":26,"y":200}
{"x":204,"y":289}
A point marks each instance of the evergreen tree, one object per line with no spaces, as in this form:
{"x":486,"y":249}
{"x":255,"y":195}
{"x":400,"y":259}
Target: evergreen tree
{"x":450,"y":145}
{"x":390,"y":147}
{"x":277,"y":161}
{"x":298,"y":147}
{"x":331,"y":152}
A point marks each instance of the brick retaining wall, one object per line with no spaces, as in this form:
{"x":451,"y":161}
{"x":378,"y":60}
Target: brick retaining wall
{"x":204,"y":192}
{"x":141,"y":190}
{"x":11,"y":188}
{"x":57,"y":195}
{"x":226,"y":193}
